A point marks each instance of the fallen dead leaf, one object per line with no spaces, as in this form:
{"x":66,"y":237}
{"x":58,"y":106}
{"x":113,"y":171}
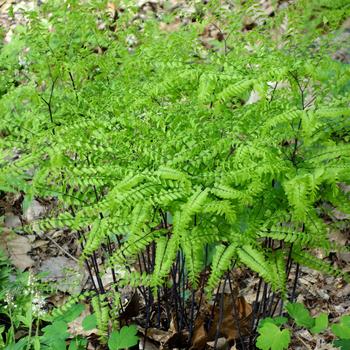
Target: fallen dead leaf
{"x":221,"y":344}
{"x":16,"y":247}
{"x":235,"y":314}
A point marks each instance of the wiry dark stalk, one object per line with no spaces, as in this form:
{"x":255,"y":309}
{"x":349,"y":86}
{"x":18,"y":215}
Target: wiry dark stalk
{"x":126,"y":265}
{"x":191,"y":321}
{"x":81,"y":237}
{"x":236,"y":316}
{"x":263,"y":302}
{"x":273,"y":306}
{"x":255,"y":311}
{"x":73,"y":84}
{"x":87,"y":265}
{"x":221,"y":314}
{"x":109,"y":248}
{"x":98,"y":277}
{"x":202,"y":282}
{"x":213,"y":306}
{"x":178,"y":275}
{"x":292,"y":298}
{"x":174,"y":293}
{"x":141,"y":271}
{"x":48,"y":103}
{"x":289,"y":261}
{"x":182,"y":283}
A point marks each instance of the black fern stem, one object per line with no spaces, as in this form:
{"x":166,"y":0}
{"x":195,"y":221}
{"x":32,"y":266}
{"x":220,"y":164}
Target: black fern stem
{"x":255,"y":312}
{"x":49,"y":103}
{"x":191,"y":321}
{"x":293,"y":296}
{"x":235,"y":314}
{"x":73,"y":85}
{"x":212,"y":313}
{"x":87,"y":264}
{"x":263,"y":302}
{"x":221,"y":313}
{"x":98,"y":277}
{"x":81,"y":238}
{"x":174,"y":294}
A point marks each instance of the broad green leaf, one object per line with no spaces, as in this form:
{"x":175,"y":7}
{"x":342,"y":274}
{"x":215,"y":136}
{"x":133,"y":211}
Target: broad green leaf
{"x":271,"y":337}
{"x":89,"y":322}
{"x":300,"y":315}
{"x":56,"y":331}
{"x":278,"y":321}
{"x":123,"y":339}
{"x":343,"y":344}
{"x":321,"y":323}
{"x":342,"y":329}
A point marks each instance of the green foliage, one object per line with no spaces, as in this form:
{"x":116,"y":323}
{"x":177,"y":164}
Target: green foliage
{"x":342,"y":329}
{"x":5,"y":270}
{"x":123,"y":339}
{"x":124,"y":137}
{"x":321,"y":323}
{"x":89,"y":322}
{"x":271,"y":337}
{"x":300,"y":315}
{"x":55,"y":335}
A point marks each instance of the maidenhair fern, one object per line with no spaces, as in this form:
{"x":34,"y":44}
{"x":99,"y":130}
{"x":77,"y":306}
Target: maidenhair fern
{"x":158,"y":145}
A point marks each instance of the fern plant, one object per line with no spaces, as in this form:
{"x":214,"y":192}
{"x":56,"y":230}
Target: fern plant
{"x":156,"y":148}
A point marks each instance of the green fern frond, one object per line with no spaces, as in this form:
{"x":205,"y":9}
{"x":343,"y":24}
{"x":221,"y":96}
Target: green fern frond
{"x":307,"y":259}
{"x":235,"y":90}
{"x":256,"y":261}
{"x":194,"y":260}
{"x":166,"y":252}
{"x":101,"y":310}
{"x":278,"y":276}
{"x":222,"y":261}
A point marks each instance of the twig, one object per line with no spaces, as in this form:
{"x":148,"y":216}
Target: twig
{"x":63,"y":250}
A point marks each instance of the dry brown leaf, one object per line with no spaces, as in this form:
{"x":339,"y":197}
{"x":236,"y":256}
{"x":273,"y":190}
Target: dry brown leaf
{"x":131,"y":309}
{"x":200,"y":336}
{"x":16,"y":247}
{"x":239,"y":310}
{"x":166,"y":339}
{"x":221,"y":344}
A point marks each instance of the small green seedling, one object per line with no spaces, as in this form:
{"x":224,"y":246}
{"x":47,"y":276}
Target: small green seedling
{"x":272,"y":337}
{"x":123,"y":339}
{"x":342,"y":330}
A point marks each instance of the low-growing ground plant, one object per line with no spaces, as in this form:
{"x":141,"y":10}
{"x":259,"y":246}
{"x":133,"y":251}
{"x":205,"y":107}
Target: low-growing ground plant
{"x":272,"y":337}
{"x":173,"y":163}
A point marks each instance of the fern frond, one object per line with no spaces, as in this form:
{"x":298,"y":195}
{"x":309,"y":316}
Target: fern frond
{"x":101,"y":310}
{"x":221,"y":263}
{"x":278,"y":272}
{"x":235,"y":90}
{"x":256,"y":261}
{"x":307,"y":259}
{"x":166,"y":252}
